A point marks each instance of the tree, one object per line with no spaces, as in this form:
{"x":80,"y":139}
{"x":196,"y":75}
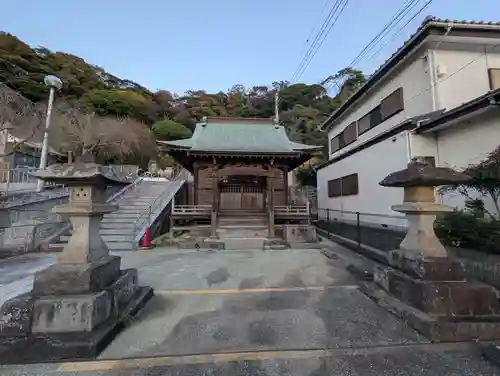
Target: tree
{"x":91,"y":89}
{"x":170,"y":130}
{"x":105,"y":136}
{"x":18,"y":116}
{"x":485,"y":180}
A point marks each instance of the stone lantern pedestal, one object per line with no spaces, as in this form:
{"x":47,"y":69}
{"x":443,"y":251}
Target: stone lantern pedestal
{"x":422,"y":285}
{"x":78,"y":305}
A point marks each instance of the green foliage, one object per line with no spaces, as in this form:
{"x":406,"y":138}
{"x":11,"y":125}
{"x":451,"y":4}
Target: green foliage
{"x":466,"y":230}
{"x":485,"y":180}
{"x":170,"y":130}
{"x":302,"y":107}
{"x":306,"y":175}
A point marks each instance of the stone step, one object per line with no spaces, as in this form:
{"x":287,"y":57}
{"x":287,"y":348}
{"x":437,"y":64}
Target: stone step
{"x":123,"y":217}
{"x":118,"y":225}
{"x":242,"y":233}
{"x":135,"y":206}
{"x":243,"y":243}
{"x":130,"y":211}
{"x":116,"y":231}
{"x":118,"y":238}
{"x":120,"y":246}
{"x":119,"y":218}
{"x":242,"y":227}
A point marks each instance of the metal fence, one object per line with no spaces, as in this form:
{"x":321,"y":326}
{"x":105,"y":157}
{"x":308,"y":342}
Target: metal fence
{"x":30,"y":225}
{"x":384,"y":232}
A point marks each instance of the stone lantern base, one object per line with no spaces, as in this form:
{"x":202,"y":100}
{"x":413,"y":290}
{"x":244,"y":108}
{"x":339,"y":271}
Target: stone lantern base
{"x":423,"y":285}
{"x":434,"y":298}
{"x":73,"y":312}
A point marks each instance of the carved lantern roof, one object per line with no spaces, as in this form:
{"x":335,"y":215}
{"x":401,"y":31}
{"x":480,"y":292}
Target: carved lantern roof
{"x":422,"y":172}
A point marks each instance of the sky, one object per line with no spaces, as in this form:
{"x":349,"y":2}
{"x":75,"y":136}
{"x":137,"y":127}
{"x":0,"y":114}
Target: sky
{"x":214,"y":44}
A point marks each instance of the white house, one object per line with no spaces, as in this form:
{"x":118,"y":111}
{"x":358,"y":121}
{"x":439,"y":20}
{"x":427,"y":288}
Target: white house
{"x":437,"y":96}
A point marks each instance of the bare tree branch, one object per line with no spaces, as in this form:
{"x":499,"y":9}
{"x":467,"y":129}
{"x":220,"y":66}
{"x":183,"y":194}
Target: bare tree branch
{"x":18,"y":117}
{"x":76,"y":131}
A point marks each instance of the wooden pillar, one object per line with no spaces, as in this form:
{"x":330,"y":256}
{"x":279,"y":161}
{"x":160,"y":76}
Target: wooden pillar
{"x":215,"y":203}
{"x":195,"y":184}
{"x":215,"y":192}
{"x":285,"y":178}
{"x":270,"y":201}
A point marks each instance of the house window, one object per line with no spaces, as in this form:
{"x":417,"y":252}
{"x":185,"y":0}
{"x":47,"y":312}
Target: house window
{"x":335,"y":144}
{"x":364,"y":124}
{"x":494,"y":75}
{"x":392,"y":104}
{"x":350,"y":185}
{"x":375,"y":117}
{"x":350,"y":134}
{"x":335,"y":188}
{"x":345,"y":186}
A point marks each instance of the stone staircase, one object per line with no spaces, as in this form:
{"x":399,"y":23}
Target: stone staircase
{"x":121,"y":228}
{"x":244,"y":229}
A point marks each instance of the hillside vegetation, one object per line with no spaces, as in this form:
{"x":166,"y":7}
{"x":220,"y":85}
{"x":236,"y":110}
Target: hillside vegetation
{"x":92,"y":90}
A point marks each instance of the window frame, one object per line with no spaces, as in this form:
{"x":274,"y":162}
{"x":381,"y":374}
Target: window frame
{"x":338,"y":144}
{"x":347,"y":184}
{"x":337,"y":187}
{"x":398,"y":106}
{"x":332,"y":192}
{"x":351,"y":128}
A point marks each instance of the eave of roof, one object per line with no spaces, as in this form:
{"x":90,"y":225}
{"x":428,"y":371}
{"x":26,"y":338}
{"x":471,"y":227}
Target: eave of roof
{"x":490,"y":98}
{"x":407,"y":124}
{"x":240,"y":138}
{"x":430,"y":23}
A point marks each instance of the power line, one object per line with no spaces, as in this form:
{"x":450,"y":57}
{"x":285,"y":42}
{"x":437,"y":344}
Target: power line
{"x":397,"y":17}
{"x":314,"y":27}
{"x":395,"y":35}
{"x":320,"y":37}
{"x":433,"y":85}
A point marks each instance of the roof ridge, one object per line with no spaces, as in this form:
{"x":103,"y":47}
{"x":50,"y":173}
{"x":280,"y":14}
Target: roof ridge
{"x":428,"y":22}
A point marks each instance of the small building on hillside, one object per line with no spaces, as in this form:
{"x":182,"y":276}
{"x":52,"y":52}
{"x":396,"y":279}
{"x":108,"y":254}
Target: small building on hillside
{"x":240,"y":168}
{"x":438,"y":95}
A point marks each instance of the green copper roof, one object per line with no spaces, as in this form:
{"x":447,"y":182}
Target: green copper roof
{"x":240,"y":137}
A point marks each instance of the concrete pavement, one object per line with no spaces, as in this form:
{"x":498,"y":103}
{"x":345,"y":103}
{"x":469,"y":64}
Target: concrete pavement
{"x":290,"y":312}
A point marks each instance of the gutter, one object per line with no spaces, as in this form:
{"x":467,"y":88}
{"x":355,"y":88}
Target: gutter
{"x":403,"y":52}
{"x":491,"y":99}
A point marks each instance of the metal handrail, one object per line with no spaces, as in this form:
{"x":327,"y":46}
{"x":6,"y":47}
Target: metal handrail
{"x":145,"y":217}
{"x":134,"y":184}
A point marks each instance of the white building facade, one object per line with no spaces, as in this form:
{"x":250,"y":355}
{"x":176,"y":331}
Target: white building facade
{"x":436,"y":96}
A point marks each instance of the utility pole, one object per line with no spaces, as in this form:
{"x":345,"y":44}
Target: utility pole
{"x":54,"y":83}
{"x":277,"y":107}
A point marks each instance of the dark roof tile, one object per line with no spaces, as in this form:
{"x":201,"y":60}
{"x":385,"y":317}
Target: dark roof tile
{"x":408,"y":45}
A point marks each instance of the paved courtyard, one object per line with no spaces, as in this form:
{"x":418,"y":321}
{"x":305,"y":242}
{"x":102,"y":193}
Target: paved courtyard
{"x":235,"y":313}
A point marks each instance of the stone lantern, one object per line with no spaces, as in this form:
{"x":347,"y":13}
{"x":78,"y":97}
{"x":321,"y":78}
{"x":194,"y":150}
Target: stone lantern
{"x":77,"y":305}
{"x":423,"y":285}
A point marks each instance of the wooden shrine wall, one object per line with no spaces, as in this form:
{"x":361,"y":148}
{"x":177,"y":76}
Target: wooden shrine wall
{"x":206,"y":174}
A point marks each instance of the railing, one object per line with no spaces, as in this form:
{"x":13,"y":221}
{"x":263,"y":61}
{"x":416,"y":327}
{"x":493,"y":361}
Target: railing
{"x":381,"y":231}
{"x":125,"y":189}
{"x":192,"y":210}
{"x":291,"y":210}
{"x":17,"y":180}
{"x":146,"y":218}
{"x":125,"y":170}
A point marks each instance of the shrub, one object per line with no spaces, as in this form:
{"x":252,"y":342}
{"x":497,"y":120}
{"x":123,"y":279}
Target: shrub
{"x":466,"y":230}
